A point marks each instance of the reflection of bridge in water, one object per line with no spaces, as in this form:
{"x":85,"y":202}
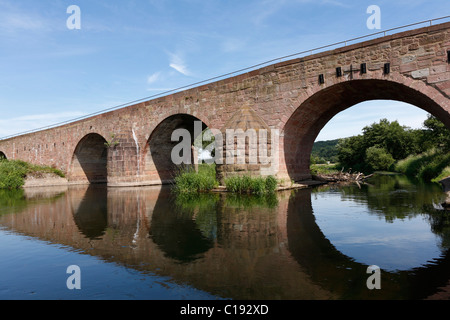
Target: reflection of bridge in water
{"x":216,"y":245}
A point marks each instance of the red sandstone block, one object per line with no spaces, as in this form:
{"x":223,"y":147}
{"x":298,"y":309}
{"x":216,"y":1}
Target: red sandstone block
{"x":439,"y":69}
{"x":438,"y":78}
{"x":408,"y":67}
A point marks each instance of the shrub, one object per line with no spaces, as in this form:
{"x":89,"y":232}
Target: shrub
{"x":430,"y":166}
{"x":12,"y":174}
{"x":271,"y":184}
{"x":187,"y":180}
{"x":379,"y":159}
{"x":434,"y":167}
{"x":247,"y":184}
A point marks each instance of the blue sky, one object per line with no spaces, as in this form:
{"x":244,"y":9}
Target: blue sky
{"x":130,"y":50}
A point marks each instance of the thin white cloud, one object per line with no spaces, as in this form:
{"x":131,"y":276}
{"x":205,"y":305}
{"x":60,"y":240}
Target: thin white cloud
{"x":153,"y":78}
{"x":21,"y":22}
{"x":177,"y":63}
{"x":14,"y":19}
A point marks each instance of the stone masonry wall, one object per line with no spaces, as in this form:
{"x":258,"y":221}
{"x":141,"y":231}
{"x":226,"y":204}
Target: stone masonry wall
{"x":287,"y":96}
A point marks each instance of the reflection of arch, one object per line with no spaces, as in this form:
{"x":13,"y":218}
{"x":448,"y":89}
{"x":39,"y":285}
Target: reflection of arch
{"x":2,"y":156}
{"x":307,"y":121}
{"x":176,"y":233}
{"x":159,"y":147}
{"x":89,"y":160}
{"x":342,"y":275}
{"x":91,"y":215}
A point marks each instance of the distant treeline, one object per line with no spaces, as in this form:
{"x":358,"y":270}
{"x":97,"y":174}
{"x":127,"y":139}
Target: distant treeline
{"x":388,"y":146}
{"x":325,"y":151}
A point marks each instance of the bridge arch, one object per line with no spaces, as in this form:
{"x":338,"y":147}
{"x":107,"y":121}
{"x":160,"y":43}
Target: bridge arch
{"x":306,"y":122}
{"x":2,"y":155}
{"x":89,"y":160}
{"x":158,"y":164}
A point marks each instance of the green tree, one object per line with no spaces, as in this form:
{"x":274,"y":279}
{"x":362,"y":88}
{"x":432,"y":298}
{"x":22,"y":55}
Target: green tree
{"x":379,"y":159}
{"x":351,"y":152}
{"x":391,"y":140}
{"x":436,"y":134}
{"x":394,"y":138}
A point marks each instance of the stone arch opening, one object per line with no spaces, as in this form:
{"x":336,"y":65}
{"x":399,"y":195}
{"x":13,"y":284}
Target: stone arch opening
{"x":159,"y":165}
{"x":89,"y":162}
{"x":305,"y":124}
{"x":3,"y":156}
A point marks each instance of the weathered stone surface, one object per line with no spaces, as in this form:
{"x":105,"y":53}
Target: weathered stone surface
{"x":420,"y":73}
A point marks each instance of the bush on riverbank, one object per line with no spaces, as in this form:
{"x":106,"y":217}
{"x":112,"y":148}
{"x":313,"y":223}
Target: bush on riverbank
{"x":432,"y":165}
{"x":255,"y":185}
{"x":14,"y":172}
{"x":327,"y":169}
{"x":188,"y":180}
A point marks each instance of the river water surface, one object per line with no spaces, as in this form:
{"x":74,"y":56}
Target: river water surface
{"x":147,"y":243}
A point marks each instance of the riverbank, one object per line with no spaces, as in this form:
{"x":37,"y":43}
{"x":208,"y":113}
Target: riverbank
{"x":44,"y":179}
{"x":16,"y":174}
{"x":204,"y":179}
{"x":429,"y":166}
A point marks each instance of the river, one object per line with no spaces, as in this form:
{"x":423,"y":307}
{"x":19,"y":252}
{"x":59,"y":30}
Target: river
{"x":147,"y":243}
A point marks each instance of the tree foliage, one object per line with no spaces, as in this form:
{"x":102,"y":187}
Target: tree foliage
{"x":436,"y":134}
{"x":379,"y":159}
{"x":324,"y":151}
{"x":384,"y":143}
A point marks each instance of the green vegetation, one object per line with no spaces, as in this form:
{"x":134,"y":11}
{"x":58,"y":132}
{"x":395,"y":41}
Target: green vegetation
{"x":432,"y":165}
{"x":253,"y":185}
{"x":388,"y":146}
{"x":250,"y":201}
{"x":324,"y":152}
{"x":188,"y":180}
{"x":379,"y":159}
{"x":380,"y":145}
{"x":325,"y":169}
{"x":14,"y":172}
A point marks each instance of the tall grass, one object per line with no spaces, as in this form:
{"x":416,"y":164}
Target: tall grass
{"x":325,"y":169}
{"x":187,"y":180}
{"x":255,"y":185}
{"x":14,"y":172}
{"x":432,"y":165}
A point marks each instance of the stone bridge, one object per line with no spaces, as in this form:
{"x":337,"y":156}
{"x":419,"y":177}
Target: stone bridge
{"x":132,"y":146}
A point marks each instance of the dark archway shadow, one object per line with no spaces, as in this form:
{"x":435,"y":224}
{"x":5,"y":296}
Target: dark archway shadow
{"x":3,"y":156}
{"x":159,"y":147}
{"x":89,"y":162}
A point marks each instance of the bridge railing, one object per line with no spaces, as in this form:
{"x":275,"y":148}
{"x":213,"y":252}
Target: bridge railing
{"x":237,"y":72}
